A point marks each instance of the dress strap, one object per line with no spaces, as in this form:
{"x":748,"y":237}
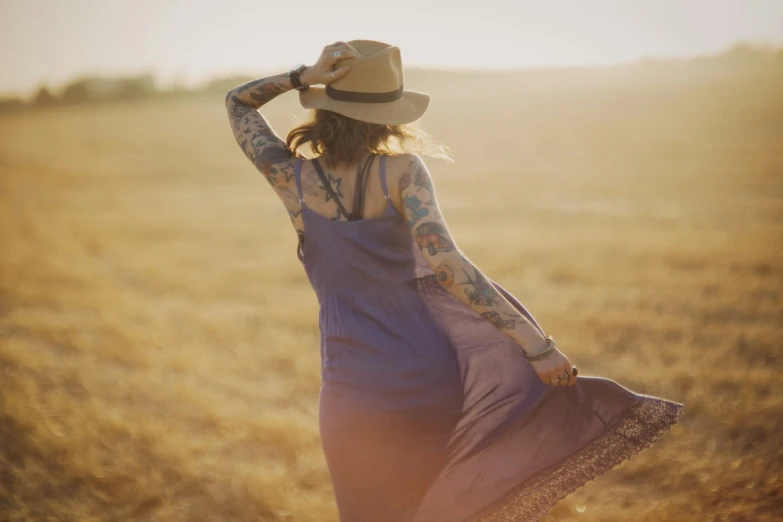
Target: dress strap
{"x":362,"y":172}
{"x":383,"y":176}
{"x":297,"y":171}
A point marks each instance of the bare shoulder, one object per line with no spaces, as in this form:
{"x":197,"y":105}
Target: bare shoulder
{"x":404,"y":160}
{"x":401,"y":167}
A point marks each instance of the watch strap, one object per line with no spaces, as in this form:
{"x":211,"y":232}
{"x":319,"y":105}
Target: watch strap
{"x":296,"y":82}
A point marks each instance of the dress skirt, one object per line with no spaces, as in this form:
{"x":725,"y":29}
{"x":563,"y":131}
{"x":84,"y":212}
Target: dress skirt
{"x":428,"y":413}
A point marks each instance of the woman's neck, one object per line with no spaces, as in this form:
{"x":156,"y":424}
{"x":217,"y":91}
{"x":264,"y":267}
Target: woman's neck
{"x":359,"y":157}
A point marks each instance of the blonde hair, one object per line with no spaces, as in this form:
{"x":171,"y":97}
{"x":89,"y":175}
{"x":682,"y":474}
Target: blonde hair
{"x":346,"y":140}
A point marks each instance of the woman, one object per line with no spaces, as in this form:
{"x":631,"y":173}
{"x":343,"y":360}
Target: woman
{"x":442,"y":399}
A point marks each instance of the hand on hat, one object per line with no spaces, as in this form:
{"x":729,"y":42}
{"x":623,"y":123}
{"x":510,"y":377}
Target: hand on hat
{"x":328,"y":68}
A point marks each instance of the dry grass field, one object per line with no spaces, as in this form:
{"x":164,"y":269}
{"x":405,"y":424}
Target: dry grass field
{"x":158,"y":337}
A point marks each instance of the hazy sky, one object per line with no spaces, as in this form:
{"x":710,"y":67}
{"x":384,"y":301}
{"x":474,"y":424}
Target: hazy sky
{"x":52,"y":41}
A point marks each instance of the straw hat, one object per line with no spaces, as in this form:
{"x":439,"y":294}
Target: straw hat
{"x":371,"y":90}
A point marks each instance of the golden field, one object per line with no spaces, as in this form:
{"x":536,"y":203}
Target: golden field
{"x":159,"y":340}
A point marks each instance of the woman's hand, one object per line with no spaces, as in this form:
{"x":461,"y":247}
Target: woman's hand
{"x":555,"y":365}
{"x":329,"y":66}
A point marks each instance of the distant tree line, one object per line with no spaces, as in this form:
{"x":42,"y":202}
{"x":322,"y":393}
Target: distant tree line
{"x":87,"y":90}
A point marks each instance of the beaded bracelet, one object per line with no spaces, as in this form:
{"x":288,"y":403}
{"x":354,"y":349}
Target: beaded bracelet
{"x":541,"y":355}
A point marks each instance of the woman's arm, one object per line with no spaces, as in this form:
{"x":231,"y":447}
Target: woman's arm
{"x":455,"y":272}
{"x":268,"y":152}
{"x":251,"y":130}
{"x":270,"y":155}
{"x":462,"y":278}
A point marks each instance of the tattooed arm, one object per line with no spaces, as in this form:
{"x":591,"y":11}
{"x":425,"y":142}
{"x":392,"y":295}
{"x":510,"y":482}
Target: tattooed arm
{"x":462,"y":278}
{"x":270,"y":154}
{"x":258,"y":141}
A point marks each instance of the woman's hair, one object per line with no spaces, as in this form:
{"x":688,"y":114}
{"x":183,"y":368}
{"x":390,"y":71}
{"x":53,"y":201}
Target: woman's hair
{"x":346,"y":140}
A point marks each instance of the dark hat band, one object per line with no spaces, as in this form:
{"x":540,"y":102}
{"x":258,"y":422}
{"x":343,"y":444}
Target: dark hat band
{"x":363,"y":97}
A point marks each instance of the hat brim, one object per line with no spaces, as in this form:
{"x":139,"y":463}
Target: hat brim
{"x":409,"y":107}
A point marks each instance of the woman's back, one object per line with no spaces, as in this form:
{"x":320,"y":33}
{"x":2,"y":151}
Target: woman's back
{"x":343,"y":181}
{"x":343,"y":254}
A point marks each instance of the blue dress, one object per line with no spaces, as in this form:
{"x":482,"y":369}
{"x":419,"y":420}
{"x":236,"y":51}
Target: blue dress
{"x":427,"y":412}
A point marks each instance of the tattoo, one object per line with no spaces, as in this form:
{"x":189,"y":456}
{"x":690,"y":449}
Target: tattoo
{"x":258,"y":141}
{"x":311,"y":183}
{"x":405,"y":181}
{"x":498,"y":322}
{"x":267,"y":154}
{"x":412,"y":207}
{"x":421,"y":180}
{"x":335,"y":184}
{"x":251,"y":130}
{"x":290,"y":200}
{"x":249,"y":85}
{"x":266,"y":92}
{"x":237,"y":111}
{"x":483,"y":292}
{"x":445,"y":275}
{"x":434,"y":237}
{"x":259,"y":91}
{"x":286,"y":170}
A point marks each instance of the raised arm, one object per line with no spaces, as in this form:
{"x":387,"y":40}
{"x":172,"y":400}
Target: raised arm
{"x":258,"y":141}
{"x":463,"y":279}
{"x":268,"y":152}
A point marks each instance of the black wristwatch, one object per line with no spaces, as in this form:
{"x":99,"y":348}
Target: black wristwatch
{"x":294,"y":73}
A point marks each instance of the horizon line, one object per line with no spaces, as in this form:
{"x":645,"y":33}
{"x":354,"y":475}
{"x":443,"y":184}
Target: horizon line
{"x":217,"y":74}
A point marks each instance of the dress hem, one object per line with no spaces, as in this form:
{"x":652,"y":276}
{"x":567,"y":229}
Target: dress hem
{"x":643,"y":424}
